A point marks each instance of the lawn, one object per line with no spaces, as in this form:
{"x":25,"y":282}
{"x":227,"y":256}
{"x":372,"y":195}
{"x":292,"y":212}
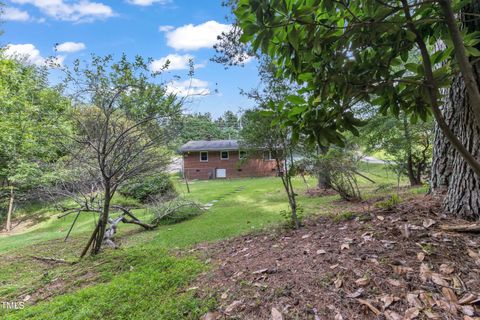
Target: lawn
{"x":147,"y":278}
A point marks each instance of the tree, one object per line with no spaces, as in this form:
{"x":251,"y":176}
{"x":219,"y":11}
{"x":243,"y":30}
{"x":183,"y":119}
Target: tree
{"x":346,"y":53}
{"x":408,"y":145}
{"x":450,"y":172}
{"x":228,"y":124}
{"x":260,"y":134}
{"x":30,"y":126}
{"x":123,"y":123}
{"x":199,"y":126}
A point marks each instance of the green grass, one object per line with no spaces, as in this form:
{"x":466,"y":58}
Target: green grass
{"x":142,"y":280}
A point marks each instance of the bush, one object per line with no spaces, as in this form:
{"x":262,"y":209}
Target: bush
{"x":341,"y":165}
{"x":146,"y":188}
{"x":389,"y":203}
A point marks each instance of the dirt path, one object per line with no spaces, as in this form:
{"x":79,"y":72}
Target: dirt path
{"x":373,"y":264}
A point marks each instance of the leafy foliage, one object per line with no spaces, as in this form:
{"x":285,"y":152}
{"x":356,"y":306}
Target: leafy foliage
{"x":342,"y":167}
{"x":173,"y":211}
{"x":345,"y":54}
{"x":407,"y":145}
{"x":146,"y":188}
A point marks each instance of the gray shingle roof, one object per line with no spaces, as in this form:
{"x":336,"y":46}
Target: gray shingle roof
{"x":212,"y":145}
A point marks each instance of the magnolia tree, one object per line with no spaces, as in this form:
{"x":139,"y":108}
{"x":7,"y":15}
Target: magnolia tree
{"x":123,"y":123}
{"x":346,"y":53}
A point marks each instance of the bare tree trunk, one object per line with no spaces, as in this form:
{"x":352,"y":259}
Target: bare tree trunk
{"x":450,"y":172}
{"x":10,"y":209}
{"x":103,"y":221}
{"x":410,"y":171}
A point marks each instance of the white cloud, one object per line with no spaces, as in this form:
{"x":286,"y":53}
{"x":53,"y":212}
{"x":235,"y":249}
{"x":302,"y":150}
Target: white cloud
{"x":177,"y":62}
{"x":30,"y":54}
{"x":192,"y":87}
{"x":70,"y":46}
{"x":190,"y":37}
{"x":145,"y":3}
{"x":15,"y":14}
{"x":79,"y":11}
{"x":165,"y":28}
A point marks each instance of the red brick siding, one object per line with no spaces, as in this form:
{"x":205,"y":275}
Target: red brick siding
{"x":252,"y":167}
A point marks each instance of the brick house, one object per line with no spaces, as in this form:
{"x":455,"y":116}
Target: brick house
{"x":220,"y":159}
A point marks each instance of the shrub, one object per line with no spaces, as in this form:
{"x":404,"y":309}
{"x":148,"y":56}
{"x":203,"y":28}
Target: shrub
{"x":146,"y":188}
{"x":341,"y":165}
{"x":389,"y":203}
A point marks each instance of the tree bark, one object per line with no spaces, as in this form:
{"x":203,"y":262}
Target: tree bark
{"x":324,"y":180}
{"x":450,"y":172}
{"x":10,"y":210}
{"x":103,"y":221}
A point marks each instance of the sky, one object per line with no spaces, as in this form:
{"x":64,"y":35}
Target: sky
{"x":177,"y":30}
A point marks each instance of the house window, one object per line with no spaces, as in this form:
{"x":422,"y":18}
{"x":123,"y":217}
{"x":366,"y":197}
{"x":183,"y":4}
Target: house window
{"x":224,"y":155}
{"x":204,"y":156}
{"x":267,"y":155}
{"x":242,"y":155}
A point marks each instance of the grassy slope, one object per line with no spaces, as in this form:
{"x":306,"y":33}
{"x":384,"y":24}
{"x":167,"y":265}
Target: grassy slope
{"x":142,"y":280}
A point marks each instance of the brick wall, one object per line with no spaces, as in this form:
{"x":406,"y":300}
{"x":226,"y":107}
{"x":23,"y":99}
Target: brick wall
{"x":255,"y":166}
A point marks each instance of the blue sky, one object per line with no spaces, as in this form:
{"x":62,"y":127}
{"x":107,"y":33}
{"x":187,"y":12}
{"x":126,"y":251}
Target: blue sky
{"x":160,"y":29}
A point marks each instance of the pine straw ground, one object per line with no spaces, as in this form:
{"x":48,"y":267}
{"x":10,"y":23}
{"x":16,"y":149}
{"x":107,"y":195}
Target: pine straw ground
{"x":371,"y":264}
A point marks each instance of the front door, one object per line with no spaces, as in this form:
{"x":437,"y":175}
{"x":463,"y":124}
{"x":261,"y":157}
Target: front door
{"x":221,"y":173}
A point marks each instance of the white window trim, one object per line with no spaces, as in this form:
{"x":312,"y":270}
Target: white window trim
{"x":240,"y":155}
{"x":228,"y":155}
{"x":269,"y":156}
{"x":201,"y":156}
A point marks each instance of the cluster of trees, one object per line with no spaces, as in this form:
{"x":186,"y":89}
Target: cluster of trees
{"x":105,"y":124}
{"x":408,"y":59}
{"x":30,"y":126}
{"x":202,"y":126}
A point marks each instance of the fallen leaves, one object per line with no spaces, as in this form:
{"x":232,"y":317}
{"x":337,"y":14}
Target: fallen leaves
{"x":413,"y":300}
{"x":338,"y":283}
{"x":233,"y":306}
{"x":356,"y":294}
{"x":411,"y":313}
{"x":439,"y":279}
{"x":427,"y":223}
{"x":370,"y":306}
{"x":394,"y":282}
{"x":401,"y":270}
{"x":362,"y":282}
{"x":420,"y":256}
{"x":276,"y":315}
{"x":447,"y":268}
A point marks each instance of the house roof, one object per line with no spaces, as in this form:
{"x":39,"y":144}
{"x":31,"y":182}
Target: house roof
{"x":210,"y":145}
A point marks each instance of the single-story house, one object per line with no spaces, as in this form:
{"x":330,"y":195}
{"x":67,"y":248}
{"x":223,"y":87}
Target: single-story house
{"x":220,"y":159}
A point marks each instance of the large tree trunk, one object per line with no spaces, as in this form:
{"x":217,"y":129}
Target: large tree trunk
{"x":450,"y":173}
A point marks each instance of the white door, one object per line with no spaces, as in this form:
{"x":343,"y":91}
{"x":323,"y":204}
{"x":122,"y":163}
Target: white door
{"x":221,"y":173}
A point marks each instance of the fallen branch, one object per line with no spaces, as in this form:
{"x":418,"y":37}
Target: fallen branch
{"x":363,"y":176}
{"x":55,"y":260}
{"x":473,"y":227}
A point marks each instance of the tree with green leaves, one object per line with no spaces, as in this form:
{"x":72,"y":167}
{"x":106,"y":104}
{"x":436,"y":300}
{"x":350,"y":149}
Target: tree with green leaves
{"x":345,"y":53}
{"x":30,"y":126}
{"x":407,"y":145}
{"x":199,"y":126}
{"x":124,"y":121}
